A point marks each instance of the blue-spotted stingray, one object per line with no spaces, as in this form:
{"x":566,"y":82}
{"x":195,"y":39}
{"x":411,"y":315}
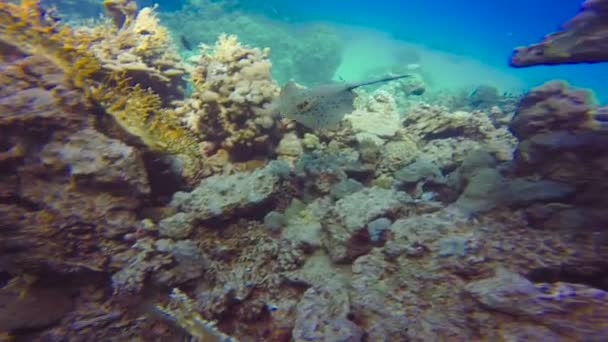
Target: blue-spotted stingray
{"x":322,"y":106}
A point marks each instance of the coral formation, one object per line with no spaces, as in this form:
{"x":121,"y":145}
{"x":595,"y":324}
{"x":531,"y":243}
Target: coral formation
{"x":561,"y":131}
{"x":140,"y":50}
{"x":231,"y":103}
{"x":583,"y":39}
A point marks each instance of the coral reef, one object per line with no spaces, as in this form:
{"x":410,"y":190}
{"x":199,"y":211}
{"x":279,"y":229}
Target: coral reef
{"x":413,"y":223}
{"x":138,"y":48}
{"x":561,"y":131}
{"x":583,"y":39}
{"x":27,"y":29}
{"x":231,"y":103}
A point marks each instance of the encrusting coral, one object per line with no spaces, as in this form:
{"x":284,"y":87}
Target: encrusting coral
{"x":231,"y":103}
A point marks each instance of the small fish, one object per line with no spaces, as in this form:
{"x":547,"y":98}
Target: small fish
{"x":322,"y":106}
{"x":185,"y":43}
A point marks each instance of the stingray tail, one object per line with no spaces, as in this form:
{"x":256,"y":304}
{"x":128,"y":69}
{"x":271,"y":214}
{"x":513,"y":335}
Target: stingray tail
{"x":384,"y":79}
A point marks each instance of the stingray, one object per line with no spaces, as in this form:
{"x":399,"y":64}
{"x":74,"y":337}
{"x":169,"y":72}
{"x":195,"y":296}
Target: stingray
{"x":322,"y":106}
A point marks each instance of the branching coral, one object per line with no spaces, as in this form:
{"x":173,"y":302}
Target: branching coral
{"x":140,"y":112}
{"x":231,"y":102}
{"x":141,"y":48}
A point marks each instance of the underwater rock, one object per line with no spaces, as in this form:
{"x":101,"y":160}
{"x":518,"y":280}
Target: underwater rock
{"x":567,"y":217}
{"x":189,"y":262}
{"x":304,"y":233}
{"x":528,"y":332}
{"x":320,"y":171}
{"x":224,"y":196}
{"x":397,"y":154}
{"x":290,"y":146}
{"x":422,"y":228}
{"x":345,"y":188}
{"x":573,"y":310}
{"x":357,"y":209}
{"x":429,"y":122}
{"x":381,"y":319}
{"x":347,"y":233}
{"x":67,"y":188}
{"x":275,"y":221}
{"x":583,"y":39}
{"x":322,"y":314}
{"x":377,"y":227}
{"x":304,"y":226}
{"x":35,"y":308}
{"x":475,"y":160}
{"x":178,"y":226}
{"x":522,"y":192}
{"x":364,"y":138}
{"x":379,"y":116}
{"x":448,"y":154}
{"x":95,"y":161}
{"x":484,"y":191}
{"x":447,"y":138}
{"x":369,"y":147}
{"x":562,"y":134}
{"x":420,"y":170}
{"x":454,"y":245}
{"x":380,"y":124}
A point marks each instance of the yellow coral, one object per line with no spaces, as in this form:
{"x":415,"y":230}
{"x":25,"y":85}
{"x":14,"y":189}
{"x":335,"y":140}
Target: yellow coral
{"x":139,"y":111}
{"x":154,"y":38}
{"x":27,"y":25}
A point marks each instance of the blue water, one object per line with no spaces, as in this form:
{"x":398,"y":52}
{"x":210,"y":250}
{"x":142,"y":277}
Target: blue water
{"x":486,"y":31}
